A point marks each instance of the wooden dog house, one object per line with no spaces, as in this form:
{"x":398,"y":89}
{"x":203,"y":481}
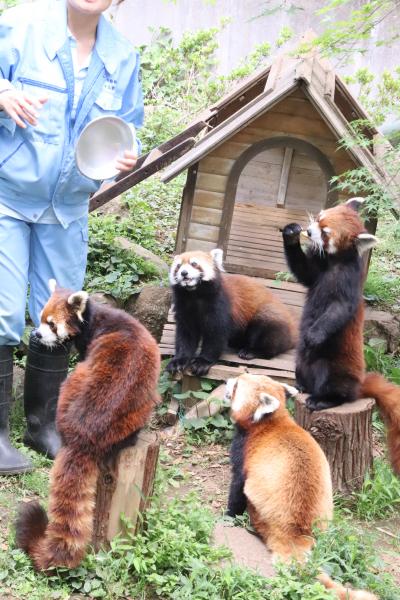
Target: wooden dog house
{"x":265,"y":157}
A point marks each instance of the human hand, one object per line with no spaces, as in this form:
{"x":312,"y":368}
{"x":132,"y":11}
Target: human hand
{"x":128,"y":161}
{"x":21,"y":106}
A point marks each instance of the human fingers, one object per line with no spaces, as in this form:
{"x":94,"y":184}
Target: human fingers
{"x":36,"y":101}
{"x":15,"y":117}
{"x":126,"y":164}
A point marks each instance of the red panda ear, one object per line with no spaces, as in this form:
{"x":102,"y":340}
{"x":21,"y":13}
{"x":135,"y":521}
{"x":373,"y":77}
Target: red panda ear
{"x":290,"y":391}
{"x":78,"y":301}
{"x":268,"y":405}
{"x":218,"y":256}
{"x":355,"y":203}
{"x":365,"y":241}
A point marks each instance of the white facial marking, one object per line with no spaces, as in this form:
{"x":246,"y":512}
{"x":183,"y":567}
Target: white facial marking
{"x":48,"y":337}
{"x":327,"y":230}
{"x":269,"y":404}
{"x":314,"y":233}
{"x":62,"y":331}
{"x":190,"y":274}
{"x":290,"y":389}
{"x":331,"y":249}
{"x":52,"y":285}
{"x":218,"y":256}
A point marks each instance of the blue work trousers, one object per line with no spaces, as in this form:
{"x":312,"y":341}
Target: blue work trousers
{"x":33,"y":253}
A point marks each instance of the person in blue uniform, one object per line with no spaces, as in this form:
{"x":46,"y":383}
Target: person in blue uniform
{"x":62,"y":64}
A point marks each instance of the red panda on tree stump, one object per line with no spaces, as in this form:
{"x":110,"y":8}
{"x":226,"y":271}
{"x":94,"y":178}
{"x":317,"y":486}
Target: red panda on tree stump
{"x":279,"y":473}
{"x":330,"y":363}
{"x":102,"y":406}
{"x":215,"y":309}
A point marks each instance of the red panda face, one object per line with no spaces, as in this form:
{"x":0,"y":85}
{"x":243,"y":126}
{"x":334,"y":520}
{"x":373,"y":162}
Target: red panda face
{"x":340,"y":228}
{"x":191,"y":268}
{"x":254,"y":396}
{"x":61,"y":315}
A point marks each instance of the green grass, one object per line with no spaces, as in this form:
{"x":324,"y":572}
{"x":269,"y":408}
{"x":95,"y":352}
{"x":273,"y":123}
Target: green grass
{"x":379,"y":496}
{"x":173,"y":559}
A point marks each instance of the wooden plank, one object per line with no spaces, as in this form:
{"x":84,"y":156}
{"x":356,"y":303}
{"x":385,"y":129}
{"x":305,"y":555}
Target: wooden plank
{"x":186,"y":209}
{"x":207,"y":233}
{"x":283,"y":182}
{"x":194,"y":244}
{"x":216,"y":165}
{"x":211,"y":182}
{"x":208,"y":199}
{"x":207,"y":216}
{"x":135,"y":177}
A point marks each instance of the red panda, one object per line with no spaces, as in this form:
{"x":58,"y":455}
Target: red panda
{"x":102,"y":405}
{"x":330,"y":361}
{"x":285,"y":477}
{"x":214,"y":309}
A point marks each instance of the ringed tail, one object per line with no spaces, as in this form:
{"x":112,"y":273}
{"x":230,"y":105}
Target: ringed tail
{"x":61,"y":539}
{"x":387,"y":396}
{"x":342,"y":592}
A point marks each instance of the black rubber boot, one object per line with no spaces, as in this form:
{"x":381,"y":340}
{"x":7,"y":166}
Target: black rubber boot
{"x":11,"y":460}
{"x":46,"y":369}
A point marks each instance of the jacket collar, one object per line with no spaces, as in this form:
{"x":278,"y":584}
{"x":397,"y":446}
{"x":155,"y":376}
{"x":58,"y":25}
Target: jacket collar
{"x":56,"y":35}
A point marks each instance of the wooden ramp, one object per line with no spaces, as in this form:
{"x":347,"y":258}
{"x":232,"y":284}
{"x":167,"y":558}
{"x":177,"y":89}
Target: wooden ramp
{"x":281,"y":367}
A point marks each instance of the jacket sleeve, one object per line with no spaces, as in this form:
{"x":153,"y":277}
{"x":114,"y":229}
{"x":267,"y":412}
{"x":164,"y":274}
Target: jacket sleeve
{"x":132,"y":110}
{"x":9,"y":58}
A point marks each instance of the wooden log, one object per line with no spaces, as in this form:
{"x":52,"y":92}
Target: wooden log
{"x":345,"y":435}
{"x":125,"y":486}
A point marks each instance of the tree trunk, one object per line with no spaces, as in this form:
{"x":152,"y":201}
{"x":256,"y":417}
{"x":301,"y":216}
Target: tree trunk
{"x":124,"y":486}
{"x":345,"y":435}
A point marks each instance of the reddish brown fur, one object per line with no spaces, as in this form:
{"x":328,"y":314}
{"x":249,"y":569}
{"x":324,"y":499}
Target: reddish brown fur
{"x":287,"y":477}
{"x":387,"y":396}
{"x":109,"y":395}
{"x":250,"y":299}
{"x":345,"y":224}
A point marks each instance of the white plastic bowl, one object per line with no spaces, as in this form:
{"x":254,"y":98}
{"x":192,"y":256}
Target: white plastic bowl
{"x":102,"y":142}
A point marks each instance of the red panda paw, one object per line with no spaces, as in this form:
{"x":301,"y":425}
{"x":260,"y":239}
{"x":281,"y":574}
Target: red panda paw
{"x":177,"y":365}
{"x":200,"y":366}
{"x":291,"y":233}
{"x":246,"y":354}
{"x":320,"y":403}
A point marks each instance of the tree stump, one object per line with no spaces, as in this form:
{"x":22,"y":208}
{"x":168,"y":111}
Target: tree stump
{"x":124,"y":486}
{"x":345,"y":435}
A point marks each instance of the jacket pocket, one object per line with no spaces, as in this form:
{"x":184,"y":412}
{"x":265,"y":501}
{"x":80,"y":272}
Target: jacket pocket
{"x":51,"y":120}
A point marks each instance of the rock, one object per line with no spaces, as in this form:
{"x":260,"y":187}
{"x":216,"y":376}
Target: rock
{"x":142,"y":253}
{"x":151,"y":308}
{"x":209,"y":407}
{"x":381,"y":324}
{"x":104,"y":298}
{"x":247,"y":549}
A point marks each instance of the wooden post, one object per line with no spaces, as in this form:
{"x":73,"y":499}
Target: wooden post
{"x":345,"y":435}
{"x":125,"y":486}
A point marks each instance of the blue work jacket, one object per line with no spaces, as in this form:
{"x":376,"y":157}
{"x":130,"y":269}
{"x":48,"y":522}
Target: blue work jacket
{"x":37,"y":164}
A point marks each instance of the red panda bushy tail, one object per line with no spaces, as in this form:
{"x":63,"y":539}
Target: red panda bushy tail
{"x":342,"y":592}
{"x":62,"y":539}
{"x":387,"y":396}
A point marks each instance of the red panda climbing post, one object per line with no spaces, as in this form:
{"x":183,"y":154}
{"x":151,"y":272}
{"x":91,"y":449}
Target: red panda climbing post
{"x":102,"y":406}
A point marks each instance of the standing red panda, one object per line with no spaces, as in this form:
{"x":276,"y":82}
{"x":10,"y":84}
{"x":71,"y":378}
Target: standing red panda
{"x":330,"y":360}
{"x":284,"y":476}
{"x":215,"y":309}
{"x":102,"y":405}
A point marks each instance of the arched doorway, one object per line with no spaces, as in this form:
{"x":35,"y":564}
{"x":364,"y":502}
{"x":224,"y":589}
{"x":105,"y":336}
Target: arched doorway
{"x":274,"y":182}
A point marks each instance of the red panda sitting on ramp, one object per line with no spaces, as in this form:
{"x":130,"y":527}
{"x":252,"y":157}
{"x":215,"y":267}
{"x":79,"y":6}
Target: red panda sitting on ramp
{"x":102,"y":405}
{"x":214,"y":309}
{"x":284,"y":475}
